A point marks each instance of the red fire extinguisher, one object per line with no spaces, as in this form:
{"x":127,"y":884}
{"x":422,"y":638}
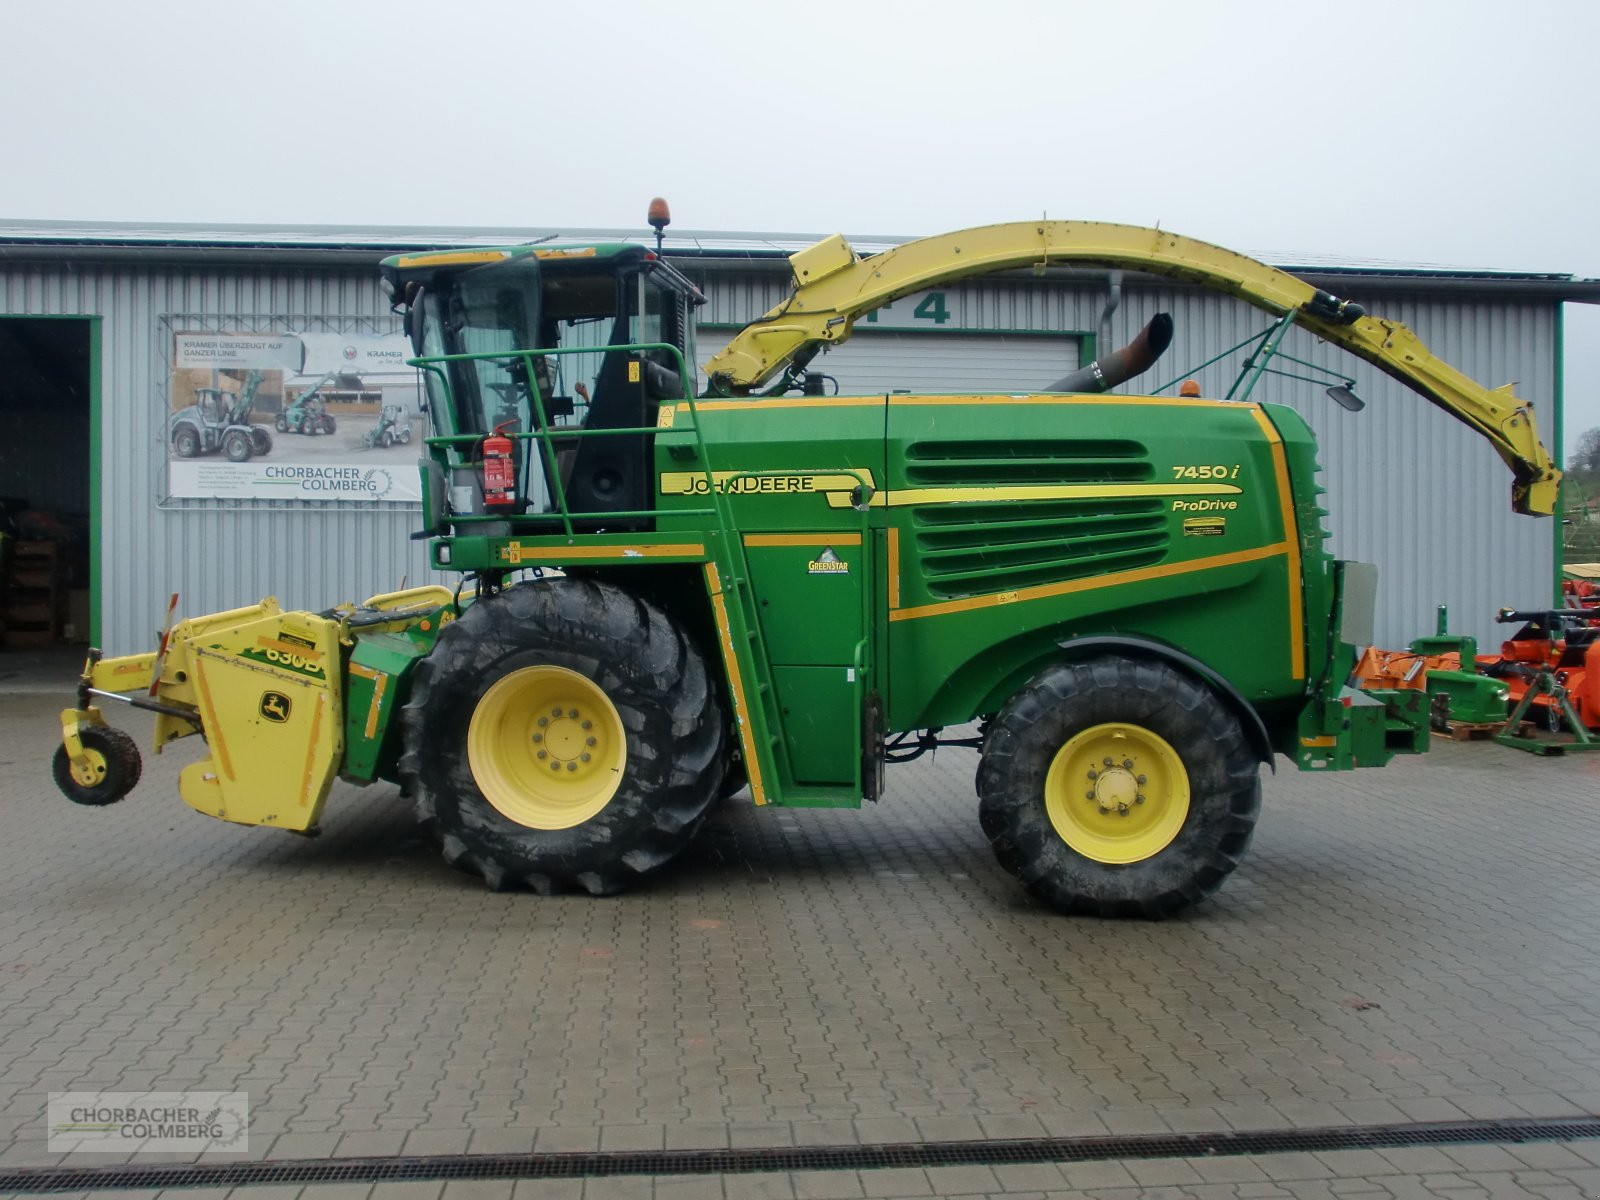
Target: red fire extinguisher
{"x":499,"y":469}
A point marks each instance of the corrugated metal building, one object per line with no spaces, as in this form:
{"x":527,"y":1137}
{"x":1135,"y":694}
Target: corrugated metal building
{"x":1408,"y":487}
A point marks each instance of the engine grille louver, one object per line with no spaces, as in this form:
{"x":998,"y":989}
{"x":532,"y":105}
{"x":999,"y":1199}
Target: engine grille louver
{"x":971,"y":547}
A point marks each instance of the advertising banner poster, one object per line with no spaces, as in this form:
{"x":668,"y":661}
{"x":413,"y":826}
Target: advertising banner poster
{"x":320,"y":417}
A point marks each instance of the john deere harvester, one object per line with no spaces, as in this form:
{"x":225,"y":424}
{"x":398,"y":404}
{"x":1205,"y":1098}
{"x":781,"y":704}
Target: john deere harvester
{"x":664,"y":595}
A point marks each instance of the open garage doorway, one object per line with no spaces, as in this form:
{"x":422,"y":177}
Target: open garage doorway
{"x":49,"y":496}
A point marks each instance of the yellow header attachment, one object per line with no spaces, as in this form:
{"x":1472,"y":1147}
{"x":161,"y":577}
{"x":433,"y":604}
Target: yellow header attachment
{"x":834,"y":286}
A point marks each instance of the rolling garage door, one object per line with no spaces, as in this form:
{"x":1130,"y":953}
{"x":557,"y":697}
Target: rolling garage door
{"x":890,"y":361}
{"x":967,"y":362}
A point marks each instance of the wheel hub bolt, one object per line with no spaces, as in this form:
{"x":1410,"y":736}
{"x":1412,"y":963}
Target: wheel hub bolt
{"x":1122,"y":810}
{"x":1139,"y":799}
{"x":1089,"y":795}
{"x":555,"y":766}
{"x":574,"y":715}
{"x":1093,"y":774}
{"x":1140,"y":780}
{"x":543,"y":721}
{"x":1107,"y":762}
{"x":543,"y":754}
{"x":555,"y":712}
{"x":587,"y":724}
{"x":572,"y":766}
{"x":538,"y":737}
{"x":588,"y":741}
{"x":585,"y":757}
{"x":1127,"y":764}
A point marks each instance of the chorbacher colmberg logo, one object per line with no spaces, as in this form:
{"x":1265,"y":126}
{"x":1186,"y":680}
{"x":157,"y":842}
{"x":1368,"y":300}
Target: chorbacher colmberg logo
{"x":353,"y":482}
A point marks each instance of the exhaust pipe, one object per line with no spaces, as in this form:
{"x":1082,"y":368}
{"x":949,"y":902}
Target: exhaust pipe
{"x":1137,"y":357}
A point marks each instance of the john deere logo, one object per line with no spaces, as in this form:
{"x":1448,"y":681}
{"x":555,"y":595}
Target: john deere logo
{"x":275,"y":707}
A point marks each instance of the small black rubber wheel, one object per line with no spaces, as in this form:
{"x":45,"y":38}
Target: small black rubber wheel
{"x":1118,"y":787}
{"x":562,"y":734}
{"x":238,"y":446}
{"x":114,"y":760}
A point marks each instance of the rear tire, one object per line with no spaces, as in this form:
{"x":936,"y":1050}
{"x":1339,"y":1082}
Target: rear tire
{"x":113,"y":759}
{"x":260,"y":440}
{"x":1088,"y":834}
{"x":473,"y":738}
{"x":282,"y":423}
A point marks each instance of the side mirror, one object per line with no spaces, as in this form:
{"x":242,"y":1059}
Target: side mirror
{"x":1346,"y":399}
{"x":414,"y":321}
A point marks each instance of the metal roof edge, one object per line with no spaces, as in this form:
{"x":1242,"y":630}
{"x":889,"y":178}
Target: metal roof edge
{"x":308,"y":245}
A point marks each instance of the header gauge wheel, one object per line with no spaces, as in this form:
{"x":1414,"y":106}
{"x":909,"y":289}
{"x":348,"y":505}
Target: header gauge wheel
{"x":1118,"y":787}
{"x":112,"y":768}
{"x":563,"y":734}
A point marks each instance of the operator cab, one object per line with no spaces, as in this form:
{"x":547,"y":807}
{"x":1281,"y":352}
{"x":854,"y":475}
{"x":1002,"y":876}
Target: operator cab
{"x":207,"y":400}
{"x":538,"y":338}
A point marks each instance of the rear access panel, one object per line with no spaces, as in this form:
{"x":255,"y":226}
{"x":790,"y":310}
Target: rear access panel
{"x":821,"y":713}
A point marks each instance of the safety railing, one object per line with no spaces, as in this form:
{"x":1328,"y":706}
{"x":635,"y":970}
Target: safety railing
{"x":547,"y":435}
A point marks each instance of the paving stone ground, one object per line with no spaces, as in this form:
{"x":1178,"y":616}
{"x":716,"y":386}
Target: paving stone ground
{"x":1411,"y":944}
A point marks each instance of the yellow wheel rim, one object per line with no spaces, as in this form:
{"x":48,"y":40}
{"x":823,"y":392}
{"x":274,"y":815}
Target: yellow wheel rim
{"x":546,"y":747}
{"x":1117,"y":793}
{"x":93,"y":774}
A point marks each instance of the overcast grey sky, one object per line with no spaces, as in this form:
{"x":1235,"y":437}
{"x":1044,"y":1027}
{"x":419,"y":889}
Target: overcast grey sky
{"x":1457,"y":133}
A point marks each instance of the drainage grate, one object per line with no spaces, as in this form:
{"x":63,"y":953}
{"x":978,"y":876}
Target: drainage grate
{"x":396,"y":1169}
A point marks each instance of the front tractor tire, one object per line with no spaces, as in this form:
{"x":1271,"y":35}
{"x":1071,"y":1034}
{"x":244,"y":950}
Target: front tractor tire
{"x":562,"y":735}
{"x":238,"y":446}
{"x":1118,"y":787}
